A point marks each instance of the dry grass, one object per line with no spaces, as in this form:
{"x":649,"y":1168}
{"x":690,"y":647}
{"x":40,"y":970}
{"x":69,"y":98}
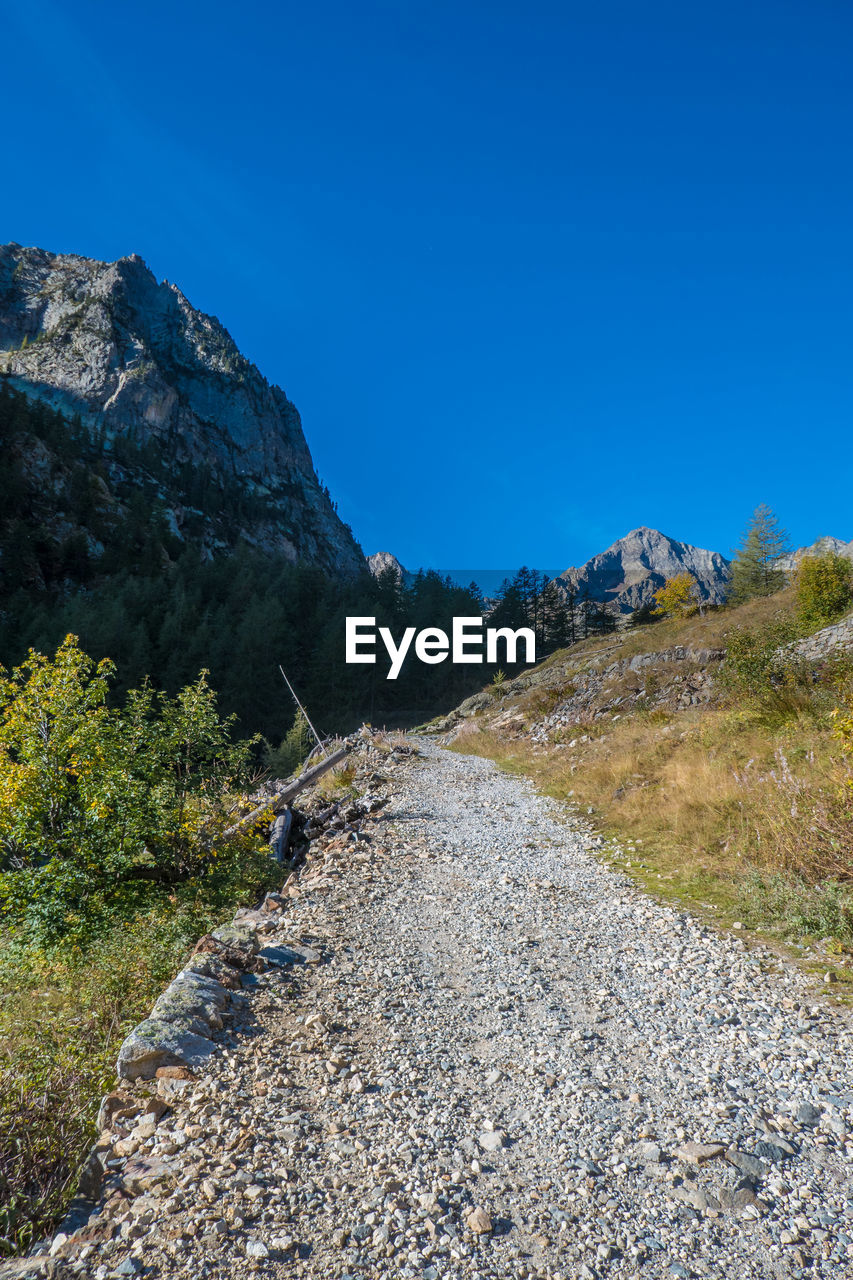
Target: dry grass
{"x":62,"y":1020}
{"x":338,"y":782}
{"x":742,"y":805}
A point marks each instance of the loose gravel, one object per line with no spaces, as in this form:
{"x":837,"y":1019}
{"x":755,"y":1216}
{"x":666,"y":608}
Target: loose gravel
{"x":508,"y":1062}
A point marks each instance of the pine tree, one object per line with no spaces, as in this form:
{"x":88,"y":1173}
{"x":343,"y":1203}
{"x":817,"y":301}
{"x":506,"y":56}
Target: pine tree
{"x":755,"y":569}
{"x":557,"y":628}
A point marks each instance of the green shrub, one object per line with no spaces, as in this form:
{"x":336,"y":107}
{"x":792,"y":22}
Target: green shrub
{"x":824,"y":589}
{"x":98,"y":804}
{"x":795,"y":908}
{"x":757,"y":662}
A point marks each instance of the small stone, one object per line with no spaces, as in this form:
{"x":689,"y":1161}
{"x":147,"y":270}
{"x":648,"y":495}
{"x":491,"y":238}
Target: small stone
{"x":140,"y":1176}
{"x":256,"y":1249}
{"x":130,"y":1267}
{"x":695,"y":1197}
{"x":699,"y":1152}
{"x":174,"y":1073}
{"x":774,"y":1151}
{"x":808,"y":1115}
{"x":494,"y":1076}
{"x":751,"y":1166}
{"x":479,"y":1221}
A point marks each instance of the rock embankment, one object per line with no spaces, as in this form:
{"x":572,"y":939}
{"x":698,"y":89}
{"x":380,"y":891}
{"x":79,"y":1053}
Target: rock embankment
{"x":556,"y":697}
{"x":828,"y":641}
{"x":498,"y":1059}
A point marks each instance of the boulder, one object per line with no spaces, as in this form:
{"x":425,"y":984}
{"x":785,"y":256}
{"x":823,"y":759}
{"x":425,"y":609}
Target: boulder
{"x":158,"y":1043}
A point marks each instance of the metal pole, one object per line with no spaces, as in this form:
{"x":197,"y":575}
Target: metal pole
{"x":302,"y":709}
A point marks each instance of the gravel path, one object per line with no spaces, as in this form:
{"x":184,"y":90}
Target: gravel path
{"x":505,"y":1034}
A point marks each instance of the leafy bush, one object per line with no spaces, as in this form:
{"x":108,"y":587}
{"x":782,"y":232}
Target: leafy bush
{"x":756,"y":658}
{"x":796,"y":908}
{"x":97,"y":802}
{"x":677,"y":597}
{"x":824,"y":589}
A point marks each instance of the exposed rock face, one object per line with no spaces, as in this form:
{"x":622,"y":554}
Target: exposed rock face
{"x":629,"y":572}
{"x":382,"y":560}
{"x":823,"y":547}
{"x":132,"y":357}
{"x":827,"y":641}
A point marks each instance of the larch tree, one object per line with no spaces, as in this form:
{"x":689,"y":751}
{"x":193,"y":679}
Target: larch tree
{"x":755,"y":568}
{"x":677,"y":597}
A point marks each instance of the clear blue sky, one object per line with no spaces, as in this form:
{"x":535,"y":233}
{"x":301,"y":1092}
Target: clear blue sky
{"x":533,"y":273}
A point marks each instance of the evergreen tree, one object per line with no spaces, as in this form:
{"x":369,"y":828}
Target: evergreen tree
{"x":644,"y":615}
{"x":755,"y":569}
{"x":558,"y":630}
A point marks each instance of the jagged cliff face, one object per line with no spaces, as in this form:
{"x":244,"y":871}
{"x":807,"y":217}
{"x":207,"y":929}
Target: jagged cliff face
{"x":382,"y":560}
{"x":629,"y":572}
{"x":133,"y":357}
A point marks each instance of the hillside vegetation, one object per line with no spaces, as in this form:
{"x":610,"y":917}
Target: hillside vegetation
{"x":722,"y":783}
{"x":112,"y":864}
{"x":86,"y":548}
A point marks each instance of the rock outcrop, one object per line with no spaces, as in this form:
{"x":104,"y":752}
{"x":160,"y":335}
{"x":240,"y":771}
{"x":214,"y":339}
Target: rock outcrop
{"x":135,"y":360}
{"x":382,"y":560}
{"x":823,"y":546}
{"x":629,"y":572}
{"x":828,"y":642}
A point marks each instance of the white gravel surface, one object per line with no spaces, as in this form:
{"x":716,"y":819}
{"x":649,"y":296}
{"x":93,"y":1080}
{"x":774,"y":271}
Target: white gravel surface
{"x":502,"y":1026}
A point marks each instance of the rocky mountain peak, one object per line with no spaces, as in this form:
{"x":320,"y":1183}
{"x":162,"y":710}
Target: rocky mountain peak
{"x":382,"y":560}
{"x":627,"y":574}
{"x":134,"y":358}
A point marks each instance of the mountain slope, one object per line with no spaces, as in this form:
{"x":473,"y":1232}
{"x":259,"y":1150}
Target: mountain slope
{"x":629,"y":572}
{"x":139,"y":364}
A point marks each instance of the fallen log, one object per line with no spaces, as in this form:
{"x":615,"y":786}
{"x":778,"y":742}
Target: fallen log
{"x":280,"y":834}
{"x":287,"y":793}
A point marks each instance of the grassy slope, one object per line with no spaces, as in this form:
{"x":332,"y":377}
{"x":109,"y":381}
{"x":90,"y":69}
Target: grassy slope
{"x":739,"y":808}
{"x":62,"y":1019}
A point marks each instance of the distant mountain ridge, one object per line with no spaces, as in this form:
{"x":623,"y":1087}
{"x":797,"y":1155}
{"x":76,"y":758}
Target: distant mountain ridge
{"x":823,"y":546}
{"x":629,"y":572}
{"x":135,"y":360}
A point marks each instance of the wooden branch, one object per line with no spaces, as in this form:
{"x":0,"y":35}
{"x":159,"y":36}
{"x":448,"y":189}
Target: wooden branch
{"x":287,"y":793}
